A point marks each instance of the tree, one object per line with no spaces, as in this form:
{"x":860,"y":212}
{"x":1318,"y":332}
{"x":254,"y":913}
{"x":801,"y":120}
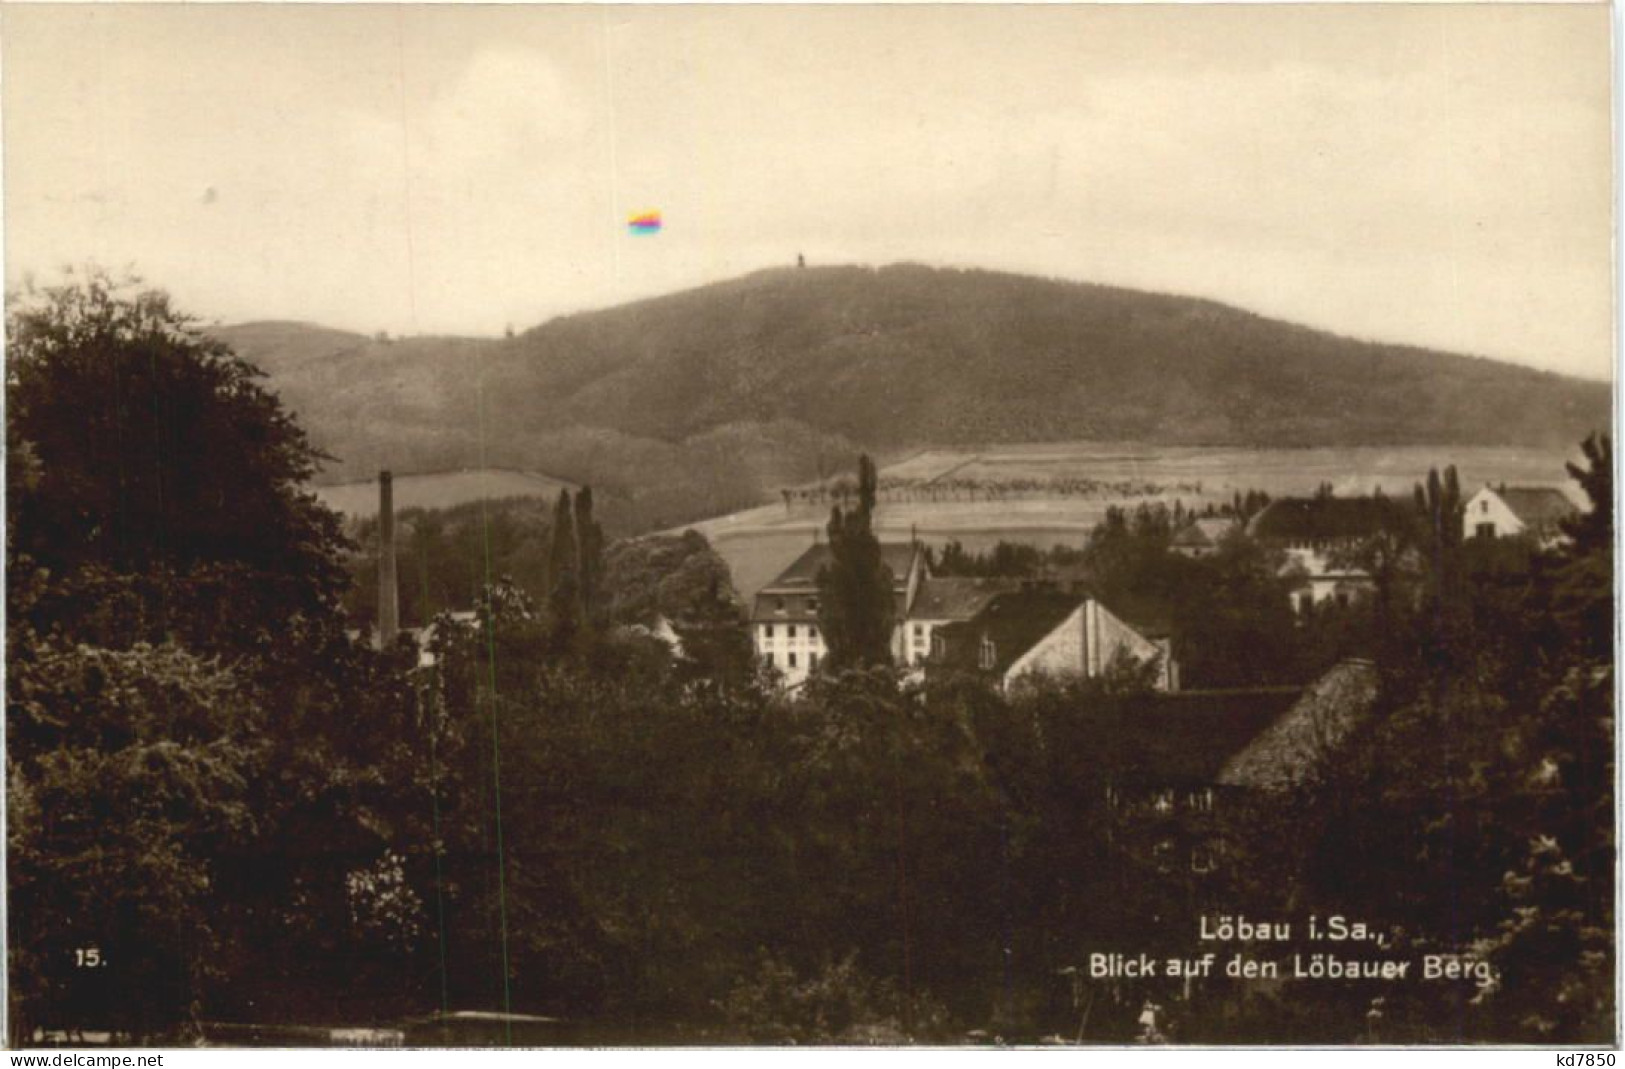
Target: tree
{"x":679,"y":577}
{"x":167,"y":742}
{"x":1594,"y":528}
{"x":590,"y":554}
{"x":684,"y":580}
{"x":158,"y":449}
{"x":1440,"y":505}
{"x":1477,"y":811}
{"x":855,"y":604}
{"x":1583,"y":599}
{"x":176,"y":656}
{"x":564,"y":569}
{"x":1439,"y":513}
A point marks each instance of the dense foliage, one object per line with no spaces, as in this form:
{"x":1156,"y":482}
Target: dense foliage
{"x":183,"y":709}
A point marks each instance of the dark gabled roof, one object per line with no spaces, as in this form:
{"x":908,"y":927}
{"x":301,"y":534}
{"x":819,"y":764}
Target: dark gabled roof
{"x":1187,"y":738}
{"x":958,"y":597}
{"x":1015,"y":621}
{"x":1313,"y":519}
{"x":803,"y":571}
{"x":1145,"y":614}
{"x":797,"y":585}
{"x":1207,"y":531}
{"x":1328,"y":712}
{"x":1538,"y":506}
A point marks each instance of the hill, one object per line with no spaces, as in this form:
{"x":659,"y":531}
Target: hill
{"x":908,"y":355}
{"x":732,"y":389}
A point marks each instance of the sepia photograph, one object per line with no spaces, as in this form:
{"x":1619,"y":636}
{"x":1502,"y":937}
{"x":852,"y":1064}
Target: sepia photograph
{"x":701,"y":526}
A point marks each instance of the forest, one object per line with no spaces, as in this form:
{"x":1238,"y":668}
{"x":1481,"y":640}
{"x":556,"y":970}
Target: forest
{"x":249,"y":814}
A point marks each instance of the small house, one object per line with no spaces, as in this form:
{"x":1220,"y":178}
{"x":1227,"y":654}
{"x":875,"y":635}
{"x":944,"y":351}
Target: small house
{"x":1201,"y":537}
{"x":1044,"y":631}
{"x":948,"y":600}
{"x":1514,"y":511}
{"x":1317,"y":533}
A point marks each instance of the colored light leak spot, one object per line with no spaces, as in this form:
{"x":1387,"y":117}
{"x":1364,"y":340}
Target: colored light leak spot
{"x":644,"y":223}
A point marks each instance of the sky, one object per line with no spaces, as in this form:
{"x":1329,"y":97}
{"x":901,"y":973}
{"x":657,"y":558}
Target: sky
{"x":1437,"y":175}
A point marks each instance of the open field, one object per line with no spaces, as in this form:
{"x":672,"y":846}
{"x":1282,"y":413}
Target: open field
{"x":440,"y":490}
{"x":983,"y":496}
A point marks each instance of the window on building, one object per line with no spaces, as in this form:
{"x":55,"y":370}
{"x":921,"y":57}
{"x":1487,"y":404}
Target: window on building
{"x":937,"y":646}
{"x":812,"y":630}
{"x":770,"y":658}
{"x":812,"y":661}
{"x":1486,"y":530}
{"x":988,"y":655}
{"x":812,"y":604}
{"x":792,"y":658}
{"x":767,"y":630}
{"x":919,"y":631}
{"x":1483,"y":506}
{"x":778,"y":604}
{"x":790,"y":630}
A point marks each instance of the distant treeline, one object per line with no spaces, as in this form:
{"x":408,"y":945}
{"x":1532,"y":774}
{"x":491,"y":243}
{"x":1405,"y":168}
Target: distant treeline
{"x":1152,"y":520}
{"x":445,"y":559}
{"x":842,"y":491}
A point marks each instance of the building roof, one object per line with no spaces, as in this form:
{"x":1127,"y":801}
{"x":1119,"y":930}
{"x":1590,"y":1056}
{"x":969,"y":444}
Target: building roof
{"x":1207,"y":531}
{"x":1015,"y":621}
{"x":797,"y":585}
{"x":1325,"y":519}
{"x":1537,"y":506}
{"x":958,"y":597}
{"x":1329,"y":710}
{"x":803,"y":571}
{"x":1188,"y":737}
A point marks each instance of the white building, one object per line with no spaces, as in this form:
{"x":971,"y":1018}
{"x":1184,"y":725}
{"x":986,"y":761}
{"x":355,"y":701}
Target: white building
{"x":1317,"y":535}
{"x":784,"y":623}
{"x":1508,"y":511}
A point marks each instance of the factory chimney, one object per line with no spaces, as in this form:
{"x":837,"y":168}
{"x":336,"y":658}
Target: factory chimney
{"x":389,"y":611}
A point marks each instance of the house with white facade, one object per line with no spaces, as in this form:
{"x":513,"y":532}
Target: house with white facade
{"x":1317,"y":534}
{"x":1513,"y":511}
{"x":784,"y":619}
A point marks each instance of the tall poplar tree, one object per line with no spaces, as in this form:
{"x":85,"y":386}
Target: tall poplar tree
{"x":564,"y":567}
{"x":855,"y":607}
{"x":590,"y":554}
